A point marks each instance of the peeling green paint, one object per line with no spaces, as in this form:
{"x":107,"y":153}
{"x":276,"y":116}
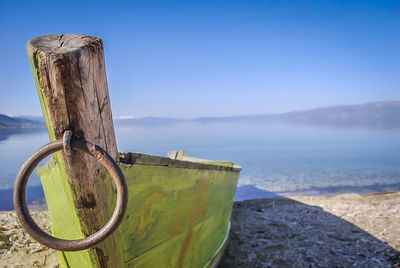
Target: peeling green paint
{"x":176,"y":217}
{"x":63,"y":214}
{"x":35,"y":58}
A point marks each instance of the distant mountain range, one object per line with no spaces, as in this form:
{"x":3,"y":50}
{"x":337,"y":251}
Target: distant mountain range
{"x":377,"y":115}
{"x":14,"y":122}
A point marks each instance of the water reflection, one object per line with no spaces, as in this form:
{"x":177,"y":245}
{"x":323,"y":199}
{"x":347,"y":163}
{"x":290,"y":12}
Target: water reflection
{"x":9,"y":132}
{"x":278,"y":158}
{"x":15,"y":148}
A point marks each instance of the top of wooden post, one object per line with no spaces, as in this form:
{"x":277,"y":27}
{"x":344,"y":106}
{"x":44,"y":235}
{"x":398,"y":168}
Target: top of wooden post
{"x":70,"y":76}
{"x":63,"y":43}
{"x":71,"y":79}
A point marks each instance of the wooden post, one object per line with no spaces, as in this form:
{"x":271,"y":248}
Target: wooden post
{"x":70,"y":76}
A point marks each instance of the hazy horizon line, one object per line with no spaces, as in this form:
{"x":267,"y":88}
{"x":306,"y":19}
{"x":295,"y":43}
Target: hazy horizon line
{"x":128,"y":117}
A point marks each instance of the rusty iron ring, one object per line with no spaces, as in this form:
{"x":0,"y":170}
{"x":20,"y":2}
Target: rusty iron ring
{"x":34,"y":230}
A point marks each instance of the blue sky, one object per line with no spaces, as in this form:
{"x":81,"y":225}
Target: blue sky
{"x":215,"y":58}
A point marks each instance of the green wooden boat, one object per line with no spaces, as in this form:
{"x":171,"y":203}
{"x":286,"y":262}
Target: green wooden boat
{"x":179,"y":207}
{"x":178,"y":213}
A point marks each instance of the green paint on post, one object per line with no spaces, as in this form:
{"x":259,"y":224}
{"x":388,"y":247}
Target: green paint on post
{"x":59,"y":197}
{"x":63,"y":214}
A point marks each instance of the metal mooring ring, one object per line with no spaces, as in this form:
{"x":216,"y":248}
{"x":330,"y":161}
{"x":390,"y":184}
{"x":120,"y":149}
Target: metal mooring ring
{"x":34,"y":230}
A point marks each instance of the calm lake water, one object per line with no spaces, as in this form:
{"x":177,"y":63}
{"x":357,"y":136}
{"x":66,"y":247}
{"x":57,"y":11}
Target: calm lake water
{"x":276,"y":159}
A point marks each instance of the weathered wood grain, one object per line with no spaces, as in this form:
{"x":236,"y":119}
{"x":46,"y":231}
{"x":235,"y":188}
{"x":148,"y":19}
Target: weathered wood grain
{"x":70,"y":76}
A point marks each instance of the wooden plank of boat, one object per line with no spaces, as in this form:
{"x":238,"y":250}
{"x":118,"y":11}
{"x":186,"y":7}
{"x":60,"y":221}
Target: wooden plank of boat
{"x":179,"y":207}
{"x":178,"y":216}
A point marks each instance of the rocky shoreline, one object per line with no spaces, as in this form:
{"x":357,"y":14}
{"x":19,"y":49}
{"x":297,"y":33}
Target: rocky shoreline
{"x":18,"y":249}
{"x":347,"y":230}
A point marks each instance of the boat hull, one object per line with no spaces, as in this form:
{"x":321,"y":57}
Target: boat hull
{"x":178,"y":212}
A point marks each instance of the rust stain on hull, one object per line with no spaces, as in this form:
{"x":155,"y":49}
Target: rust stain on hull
{"x":184,"y":248}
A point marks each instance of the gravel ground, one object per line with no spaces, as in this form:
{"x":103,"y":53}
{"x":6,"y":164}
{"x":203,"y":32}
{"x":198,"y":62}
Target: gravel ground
{"x":18,"y":249}
{"x":338,"y":231}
